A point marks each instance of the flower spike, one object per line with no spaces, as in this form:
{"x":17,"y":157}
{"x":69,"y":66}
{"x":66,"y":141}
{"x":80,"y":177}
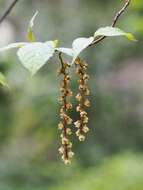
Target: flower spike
{"x":66,"y":106}
{"x":82,"y":99}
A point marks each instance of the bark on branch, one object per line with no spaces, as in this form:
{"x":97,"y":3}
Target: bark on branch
{"x":116,"y":18}
{"x":8,"y":10}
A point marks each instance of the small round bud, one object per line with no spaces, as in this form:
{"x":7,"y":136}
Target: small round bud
{"x":78,"y":97}
{"x":70,"y":154}
{"x":69,"y":92}
{"x":68,"y":106}
{"x":62,"y":135}
{"x":69,"y":132}
{"x":78,"y":133}
{"x":67,"y":162}
{"x":85,"y":67}
{"x":83,"y":113}
{"x":85,"y":77}
{"x":77,"y":124}
{"x":87,"y":92}
{"x":85,"y":119}
{"x":82,"y":87}
{"x":63,"y":157}
{"x":65,"y":141}
{"x":60,"y":126}
{"x":81,"y":138}
{"x":61,"y":150}
{"x":68,"y":120}
{"x":87,"y":103}
{"x":61,"y":110}
{"x":78,"y":108}
{"x":85,"y":129}
{"x":61,"y":99}
{"x":67,"y":77}
{"x":69,"y":145}
{"x":62,"y":89}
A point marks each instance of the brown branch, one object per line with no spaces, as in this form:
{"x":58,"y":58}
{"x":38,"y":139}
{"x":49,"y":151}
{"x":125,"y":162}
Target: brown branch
{"x":116,"y":18}
{"x":9,"y":9}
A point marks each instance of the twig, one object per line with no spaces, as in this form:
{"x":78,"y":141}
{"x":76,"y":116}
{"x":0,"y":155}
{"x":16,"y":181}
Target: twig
{"x":116,"y":18}
{"x":9,"y":9}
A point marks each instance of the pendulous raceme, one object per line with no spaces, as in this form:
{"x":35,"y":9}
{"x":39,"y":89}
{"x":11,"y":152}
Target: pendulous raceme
{"x":66,"y":106}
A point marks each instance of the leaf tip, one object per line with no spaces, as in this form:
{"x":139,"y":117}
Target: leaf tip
{"x":31,"y":24}
{"x":56,"y":43}
{"x":131,"y":37}
{"x":3,"y":81}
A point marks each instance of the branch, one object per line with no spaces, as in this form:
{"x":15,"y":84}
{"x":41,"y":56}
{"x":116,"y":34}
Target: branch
{"x":9,"y":9}
{"x":116,"y":18}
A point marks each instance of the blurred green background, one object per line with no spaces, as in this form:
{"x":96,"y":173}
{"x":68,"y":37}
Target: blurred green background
{"x":112,"y":157}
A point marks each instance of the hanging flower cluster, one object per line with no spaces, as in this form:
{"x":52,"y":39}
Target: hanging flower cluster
{"x":66,"y":106}
{"x":33,"y":55}
{"x":66,"y":145}
{"x":81,"y":97}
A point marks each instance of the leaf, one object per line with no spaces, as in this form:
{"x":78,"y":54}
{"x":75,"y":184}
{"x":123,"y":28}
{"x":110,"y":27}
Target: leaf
{"x":112,"y":31}
{"x":30,"y":34}
{"x":67,"y":51}
{"x":56,"y":43}
{"x":34,"y":55}
{"x":131,"y":37}
{"x":78,"y":46}
{"x":3,"y":80}
{"x":13,"y":45}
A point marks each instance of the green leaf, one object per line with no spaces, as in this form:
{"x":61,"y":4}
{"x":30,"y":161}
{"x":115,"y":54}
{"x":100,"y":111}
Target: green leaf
{"x":34,"y":55}
{"x":78,"y":46}
{"x":56,"y":43}
{"x":131,"y":37}
{"x":112,"y":31}
{"x":3,"y":80}
{"x":67,"y":51}
{"x":13,"y":45}
{"x":30,"y":34}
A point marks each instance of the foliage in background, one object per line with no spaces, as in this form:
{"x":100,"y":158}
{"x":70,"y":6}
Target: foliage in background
{"x":28,"y":114}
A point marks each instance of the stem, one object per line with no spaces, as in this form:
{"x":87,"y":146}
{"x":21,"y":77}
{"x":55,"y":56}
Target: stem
{"x":9,"y":9}
{"x":115,"y":20}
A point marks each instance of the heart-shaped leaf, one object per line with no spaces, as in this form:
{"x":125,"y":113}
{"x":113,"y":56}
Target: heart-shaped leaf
{"x":34,"y":55}
{"x":3,"y":80}
{"x":112,"y":31}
